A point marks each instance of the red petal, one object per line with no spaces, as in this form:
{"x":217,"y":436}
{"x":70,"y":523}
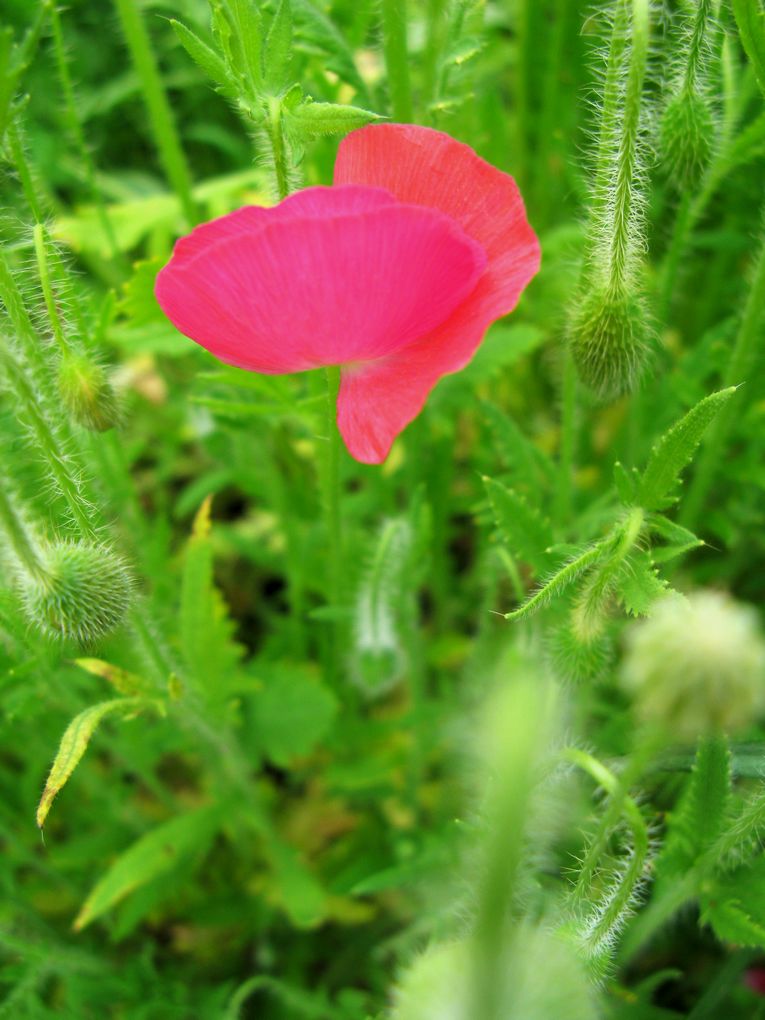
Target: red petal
{"x":317,"y":281}
{"x":429,"y":168}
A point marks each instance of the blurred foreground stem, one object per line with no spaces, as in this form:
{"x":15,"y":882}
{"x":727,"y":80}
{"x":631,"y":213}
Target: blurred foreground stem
{"x":332,"y":512}
{"x":396,"y":58}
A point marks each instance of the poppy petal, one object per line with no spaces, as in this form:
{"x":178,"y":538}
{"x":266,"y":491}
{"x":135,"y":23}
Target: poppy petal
{"x":324,"y":288}
{"x":431,"y":169}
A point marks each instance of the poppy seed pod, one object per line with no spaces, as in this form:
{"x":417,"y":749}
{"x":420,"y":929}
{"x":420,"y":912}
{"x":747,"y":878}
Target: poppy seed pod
{"x":83,"y":592}
{"x":697,"y":665}
{"x":608,"y":339}
{"x":686,"y":135}
{"x":87,"y":393}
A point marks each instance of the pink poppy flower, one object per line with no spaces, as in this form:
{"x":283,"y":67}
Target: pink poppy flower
{"x":394,"y":273}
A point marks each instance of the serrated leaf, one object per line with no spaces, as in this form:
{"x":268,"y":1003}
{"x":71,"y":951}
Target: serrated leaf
{"x":292,"y":712}
{"x":732,"y":922}
{"x":154,"y":854}
{"x":679,"y":539}
{"x":639,"y":585}
{"x":205,"y":58}
{"x":701,"y":814}
{"x":531,"y":467}
{"x":247,"y":37}
{"x":528,"y":535}
{"x":75,"y":742}
{"x":676,"y":448}
{"x":627,"y":483}
{"x":206,"y":632}
{"x":750,"y":19}
{"x":278,"y":48}
{"x":312,"y":119}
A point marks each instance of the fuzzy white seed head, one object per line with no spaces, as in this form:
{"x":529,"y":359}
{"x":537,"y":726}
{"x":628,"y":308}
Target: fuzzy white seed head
{"x":697,"y":665}
{"x":84,"y":593}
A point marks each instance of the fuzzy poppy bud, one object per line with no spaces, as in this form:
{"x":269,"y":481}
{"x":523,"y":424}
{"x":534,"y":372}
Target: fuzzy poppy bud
{"x":87,"y":393}
{"x":83,"y":592}
{"x":608,"y":341}
{"x":697,"y":665}
{"x":436,"y":986}
{"x":686,"y":133}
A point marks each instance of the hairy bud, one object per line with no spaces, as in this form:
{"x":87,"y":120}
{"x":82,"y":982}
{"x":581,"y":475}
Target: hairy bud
{"x":87,"y":393}
{"x":84,"y":592}
{"x":697,"y":665}
{"x":686,"y":133}
{"x":608,"y":339}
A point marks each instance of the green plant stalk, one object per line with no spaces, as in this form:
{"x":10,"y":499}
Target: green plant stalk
{"x":433,"y":47}
{"x":696,"y":44}
{"x":568,"y":439}
{"x":394,"y":21}
{"x":24,"y":331}
{"x":18,"y":534}
{"x":16,"y":146}
{"x":160,"y":115}
{"x":48,"y":445}
{"x":275,"y":132}
{"x":332,"y":515}
{"x":47,"y":289}
{"x":622,"y":212}
{"x":75,"y":128}
{"x":744,"y":351}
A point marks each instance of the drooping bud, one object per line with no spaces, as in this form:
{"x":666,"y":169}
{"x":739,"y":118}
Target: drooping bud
{"x":87,"y":393}
{"x":686,"y":133}
{"x":83,"y":592}
{"x":608,"y":338}
{"x":697,"y":665}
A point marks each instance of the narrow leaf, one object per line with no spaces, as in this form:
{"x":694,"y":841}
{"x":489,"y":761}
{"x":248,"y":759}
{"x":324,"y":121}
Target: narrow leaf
{"x":205,"y":57}
{"x":310,"y":119}
{"x":75,"y":742}
{"x":528,"y":535}
{"x":152,"y":855}
{"x":676,"y":448}
{"x":750,"y":18}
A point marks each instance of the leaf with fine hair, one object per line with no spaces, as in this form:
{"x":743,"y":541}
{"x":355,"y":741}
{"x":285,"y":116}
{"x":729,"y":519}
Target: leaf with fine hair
{"x":75,"y":741}
{"x":750,"y":18}
{"x":206,"y":58}
{"x":676,"y":448}
{"x":560,"y":580}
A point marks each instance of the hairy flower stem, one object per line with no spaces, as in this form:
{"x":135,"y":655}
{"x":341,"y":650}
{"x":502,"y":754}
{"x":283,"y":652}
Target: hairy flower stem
{"x":16,"y":147}
{"x":47,"y":288}
{"x":18,"y":534}
{"x":160,"y":114}
{"x":740,"y":364}
{"x":276,"y":139}
{"x":332,"y":516}
{"x":75,"y":129}
{"x":397,"y":59}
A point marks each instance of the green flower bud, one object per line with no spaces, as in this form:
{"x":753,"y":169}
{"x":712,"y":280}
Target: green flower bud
{"x":436,"y":986}
{"x":608,"y":341}
{"x":697,"y":665}
{"x":87,"y":393}
{"x":685,"y":136}
{"x":83,"y":592}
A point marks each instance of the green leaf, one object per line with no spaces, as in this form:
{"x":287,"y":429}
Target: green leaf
{"x":154,"y":854}
{"x":75,"y":741}
{"x":528,"y":535}
{"x":247,"y":37}
{"x":639,"y":585}
{"x":560,"y":580}
{"x":205,"y":57}
{"x":627,"y":483}
{"x":701,"y":814}
{"x":311,"y":119}
{"x":530,"y":466}
{"x":291,"y":713}
{"x":138,"y":302}
{"x":299,"y":892}
{"x":676,"y":448}
{"x":750,"y":18}
{"x":278,"y":49}
{"x":317,"y":34}
{"x":732,"y":921}
{"x":206,"y":632}
{"x":679,"y":539}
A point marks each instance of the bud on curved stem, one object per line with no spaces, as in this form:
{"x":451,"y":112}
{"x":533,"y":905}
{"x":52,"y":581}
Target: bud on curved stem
{"x":608,"y":333}
{"x":87,"y":393}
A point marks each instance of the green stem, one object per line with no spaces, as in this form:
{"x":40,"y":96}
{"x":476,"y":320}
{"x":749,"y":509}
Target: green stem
{"x":24,"y":331}
{"x":563,"y":497}
{"x":160,"y":115}
{"x":696,"y":43}
{"x":278,"y":148}
{"x":75,"y":128}
{"x":332,"y":514}
{"x":16,"y":145}
{"x":47,"y":289}
{"x":397,"y":59}
{"x":48,"y":444}
{"x":744,"y":350}
{"x":433,"y":46}
{"x":18,"y":534}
